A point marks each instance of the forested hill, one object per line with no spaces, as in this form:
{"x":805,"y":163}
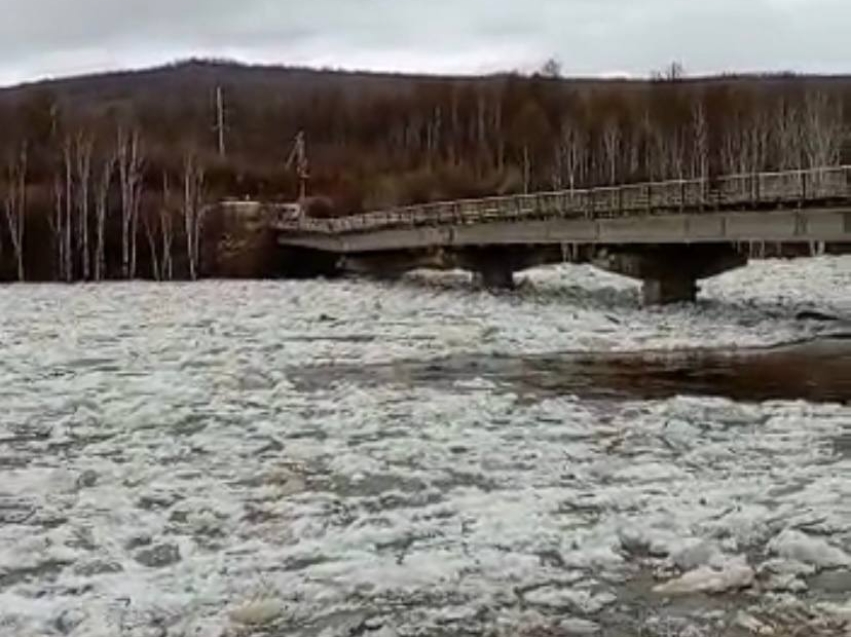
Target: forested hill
{"x":376,"y":139}
{"x":108,"y":154}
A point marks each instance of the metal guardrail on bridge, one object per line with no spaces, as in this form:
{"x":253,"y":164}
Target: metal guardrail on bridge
{"x":798,"y":188}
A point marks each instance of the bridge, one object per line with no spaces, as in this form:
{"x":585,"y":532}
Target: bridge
{"x":667,"y":234}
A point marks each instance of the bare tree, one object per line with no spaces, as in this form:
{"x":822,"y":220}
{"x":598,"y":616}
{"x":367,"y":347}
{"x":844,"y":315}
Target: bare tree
{"x":193,"y":210}
{"x":150,"y":221}
{"x":678,"y":148}
{"x":15,"y":204}
{"x":496,"y":123}
{"x":83,"y":178}
{"x":101,"y":210}
{"x":757,"y":140}
{"x":662,"y":153}
{"x":220,"y":127}
{"x":823,"y":128}
{"x":573,"y":152}
{"x":612,"y":149}
{"x":788,"y":135}
{"x":700,"y":130}
{"x":551,"y":68}
{"x":67,"y":211}
{"x":57,"y":223}
{"x":482,"y":146}
{"x":130,"y":177}
{"x":526,"y":161}
{"x":632,"y":154}
{"x":734,"y":147}
{"x":167,"y":229}
{"x":674,"y":72}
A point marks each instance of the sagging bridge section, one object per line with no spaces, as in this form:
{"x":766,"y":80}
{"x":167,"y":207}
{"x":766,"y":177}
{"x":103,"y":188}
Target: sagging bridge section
{"x":668,"y":234}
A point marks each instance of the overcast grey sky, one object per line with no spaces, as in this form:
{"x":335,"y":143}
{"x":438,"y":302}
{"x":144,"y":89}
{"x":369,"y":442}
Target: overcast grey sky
{"x":41,"y":38}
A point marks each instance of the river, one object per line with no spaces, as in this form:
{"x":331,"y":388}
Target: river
{"x":420,"y":458}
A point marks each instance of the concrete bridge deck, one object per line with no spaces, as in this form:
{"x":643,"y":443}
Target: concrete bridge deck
{"x":802,"y":206}
{"x":668,"y":234}
{"x":804,"y":225}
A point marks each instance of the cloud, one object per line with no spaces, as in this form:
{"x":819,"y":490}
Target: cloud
{"x":590,"y":37}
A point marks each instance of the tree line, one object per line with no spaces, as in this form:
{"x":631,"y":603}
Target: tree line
{"x":85,"y":207}
{"x":113,"y":180}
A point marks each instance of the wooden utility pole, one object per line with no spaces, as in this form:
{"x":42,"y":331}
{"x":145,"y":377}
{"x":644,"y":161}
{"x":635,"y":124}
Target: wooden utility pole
{"x":298,"y":158}
{"x":220,"y":120}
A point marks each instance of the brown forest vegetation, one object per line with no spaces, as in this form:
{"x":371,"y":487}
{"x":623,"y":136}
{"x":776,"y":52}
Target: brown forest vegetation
{"x":107,"y":176}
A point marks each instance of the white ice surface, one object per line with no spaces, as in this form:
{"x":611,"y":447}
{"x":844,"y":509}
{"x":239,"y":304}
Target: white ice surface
{"x":139,"y":416}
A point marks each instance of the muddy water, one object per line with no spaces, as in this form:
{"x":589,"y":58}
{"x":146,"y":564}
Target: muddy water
{"x":817,"y":371}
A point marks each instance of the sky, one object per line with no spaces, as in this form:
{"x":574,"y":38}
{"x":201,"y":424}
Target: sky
{"x":50,"y":38}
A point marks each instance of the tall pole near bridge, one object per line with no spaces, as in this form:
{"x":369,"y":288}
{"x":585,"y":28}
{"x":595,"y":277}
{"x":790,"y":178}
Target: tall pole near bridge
{"x":298,"y":158}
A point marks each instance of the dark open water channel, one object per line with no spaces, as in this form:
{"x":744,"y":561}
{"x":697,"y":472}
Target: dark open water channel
{"x":815,"y":371}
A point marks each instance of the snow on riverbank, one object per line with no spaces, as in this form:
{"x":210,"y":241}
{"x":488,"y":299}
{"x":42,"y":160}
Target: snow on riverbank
{"x":161,"y":474}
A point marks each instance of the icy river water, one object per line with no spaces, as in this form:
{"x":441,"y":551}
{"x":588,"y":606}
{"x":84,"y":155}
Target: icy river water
{"x":419,"y":458}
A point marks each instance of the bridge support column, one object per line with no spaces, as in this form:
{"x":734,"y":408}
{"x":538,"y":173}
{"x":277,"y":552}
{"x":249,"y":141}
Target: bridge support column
{"x":670,"y":273}
{"x":493,"y":268}
{"x":671,"y":289}
{"x":494,"y":276}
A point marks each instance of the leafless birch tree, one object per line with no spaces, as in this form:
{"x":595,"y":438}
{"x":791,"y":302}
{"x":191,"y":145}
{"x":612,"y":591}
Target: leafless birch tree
{"x":83,"y":164}
{"x":661,"y":153}
{"x":612,"y":149}
{"x":167,"y":229}
{"x":193,"y":210}
{"x":823,"y":129}
{"x":788,"y":137}
{"x":57,"y":223}
{"x":150,"y":223}
{"x":67,"y":210}
{"x":700,"y":151}
{"x":129,"y":161}
{"x":101,"y":211}
{"x":756,"y":142}
{"x":572,"y":149}
{"x":15,"y":205}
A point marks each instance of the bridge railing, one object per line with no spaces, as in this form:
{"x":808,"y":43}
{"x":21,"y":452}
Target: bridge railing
{"x":796,"y":188}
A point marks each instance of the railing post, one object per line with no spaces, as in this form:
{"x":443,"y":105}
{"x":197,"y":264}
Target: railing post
{"x":803,"y":200}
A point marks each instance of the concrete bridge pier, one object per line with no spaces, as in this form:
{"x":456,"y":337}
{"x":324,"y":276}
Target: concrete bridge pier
{"x":670,"y":273}
{"x":493,"y":268}
{"x":671,"y":289}
{"x":494,"y":277}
